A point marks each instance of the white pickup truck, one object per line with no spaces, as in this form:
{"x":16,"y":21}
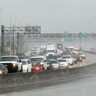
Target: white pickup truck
{"x":12,"y":63}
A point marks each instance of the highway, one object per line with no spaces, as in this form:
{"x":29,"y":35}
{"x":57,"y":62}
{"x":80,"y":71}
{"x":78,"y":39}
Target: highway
{"x":83,"y":85}
{"x":74,"y":86}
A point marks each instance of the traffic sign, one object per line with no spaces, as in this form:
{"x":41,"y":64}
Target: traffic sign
{"x":67,"y":36}
{"x":83,"y":35}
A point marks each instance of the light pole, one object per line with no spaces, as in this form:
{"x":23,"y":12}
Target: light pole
{"x":2,"y":40}
{"x":80,"y":40}
{"x":10,"y":32}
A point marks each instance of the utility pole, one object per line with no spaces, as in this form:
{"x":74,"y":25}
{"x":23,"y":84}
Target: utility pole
{"x":17,"y":44}
{"x":2,"y":40}
{"x":13,"y":41}
{"x":80,"y":40}
{"x":10,"y":34}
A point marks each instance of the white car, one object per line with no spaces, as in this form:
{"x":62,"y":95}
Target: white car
{"x":54,"y":64}
{"x":69,"y":59}
{"x":63,"y":64}
{"x":82,"y":55}
{"x":26,"y":65}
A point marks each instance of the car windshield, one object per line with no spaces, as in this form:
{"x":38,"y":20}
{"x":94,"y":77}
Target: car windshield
{"x":8,"y":59}
{"x":66,"y":57}
{"x":53,"y":62}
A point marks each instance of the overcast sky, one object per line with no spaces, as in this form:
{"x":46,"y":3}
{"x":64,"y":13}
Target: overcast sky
{"x":51,"y":15}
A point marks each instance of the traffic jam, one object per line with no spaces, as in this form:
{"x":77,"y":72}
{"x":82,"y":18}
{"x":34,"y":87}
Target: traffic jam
{"x":46,"y":57}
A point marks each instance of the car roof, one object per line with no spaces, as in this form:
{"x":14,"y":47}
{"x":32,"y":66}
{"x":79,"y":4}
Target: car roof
{"x":25,"y":59}
{"x":9,"y":56}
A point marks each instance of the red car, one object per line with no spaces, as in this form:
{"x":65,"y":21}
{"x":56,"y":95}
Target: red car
{"x":37,"y":67}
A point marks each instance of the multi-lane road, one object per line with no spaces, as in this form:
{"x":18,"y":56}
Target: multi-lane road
{"x":77,"y":86}
{"x":83,"y":86}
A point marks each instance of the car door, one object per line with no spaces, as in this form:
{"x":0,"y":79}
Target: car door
{"x":29,"y":66}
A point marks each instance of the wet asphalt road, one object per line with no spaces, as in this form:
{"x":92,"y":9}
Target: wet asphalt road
{"x":75,"y":86}
{"x":84,"y":86}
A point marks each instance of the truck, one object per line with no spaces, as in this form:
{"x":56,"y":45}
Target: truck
{"x":51,"y":49}
{"x":13,"y":63}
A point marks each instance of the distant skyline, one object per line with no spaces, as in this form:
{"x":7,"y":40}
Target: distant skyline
{"x":73,"y":16}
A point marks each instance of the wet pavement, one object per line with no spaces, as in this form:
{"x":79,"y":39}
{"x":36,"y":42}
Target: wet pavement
{"x":80,"y":87}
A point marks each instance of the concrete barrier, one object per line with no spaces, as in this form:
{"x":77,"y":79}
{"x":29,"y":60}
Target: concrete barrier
{"x":26,"y":81}
{"x":24,"y":78}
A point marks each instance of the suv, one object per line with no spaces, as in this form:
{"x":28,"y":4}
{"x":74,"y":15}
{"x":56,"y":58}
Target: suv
{"x":82,"y":54}
{"x":41,"y":60}
{"x":12,"y":63}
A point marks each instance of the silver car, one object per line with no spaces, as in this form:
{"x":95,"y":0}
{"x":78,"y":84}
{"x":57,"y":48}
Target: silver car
{"x":54,"y":63}
{"x":63,"y":64}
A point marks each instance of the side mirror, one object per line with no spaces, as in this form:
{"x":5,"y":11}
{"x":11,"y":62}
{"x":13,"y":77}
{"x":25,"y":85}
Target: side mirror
{"x":19,"y":60}
{"x":44,"y":60}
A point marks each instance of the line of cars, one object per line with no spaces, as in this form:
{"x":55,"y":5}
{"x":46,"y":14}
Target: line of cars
{"x":38,"y":63}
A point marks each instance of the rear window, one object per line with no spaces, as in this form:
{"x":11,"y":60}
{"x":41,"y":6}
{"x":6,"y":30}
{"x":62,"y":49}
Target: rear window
{"x":35,"y":64}
{"x":62,"y":60}
{"x":37,"y":59}
{"x":24,"y":62}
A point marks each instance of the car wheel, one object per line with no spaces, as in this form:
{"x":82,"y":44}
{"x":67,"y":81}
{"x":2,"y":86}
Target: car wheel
{"x":27,"y":70}
{"x":67,"y":67}
{"x":21,"y":69}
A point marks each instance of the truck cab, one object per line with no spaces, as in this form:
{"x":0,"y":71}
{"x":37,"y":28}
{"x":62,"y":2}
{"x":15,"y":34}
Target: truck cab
{"x":12,"y":63}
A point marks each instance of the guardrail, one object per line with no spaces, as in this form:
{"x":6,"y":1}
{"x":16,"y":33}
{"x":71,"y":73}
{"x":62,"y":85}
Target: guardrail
{"x":91,"y":52}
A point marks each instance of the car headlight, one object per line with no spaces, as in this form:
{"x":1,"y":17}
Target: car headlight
{"x":14,"y":65}
{"x":0,"y":72}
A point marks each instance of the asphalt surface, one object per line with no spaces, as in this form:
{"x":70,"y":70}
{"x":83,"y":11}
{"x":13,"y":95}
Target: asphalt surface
{"x":84,"y":86}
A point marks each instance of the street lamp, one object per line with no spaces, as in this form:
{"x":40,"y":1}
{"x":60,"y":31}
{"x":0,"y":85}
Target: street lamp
{"x":80,"y":40}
